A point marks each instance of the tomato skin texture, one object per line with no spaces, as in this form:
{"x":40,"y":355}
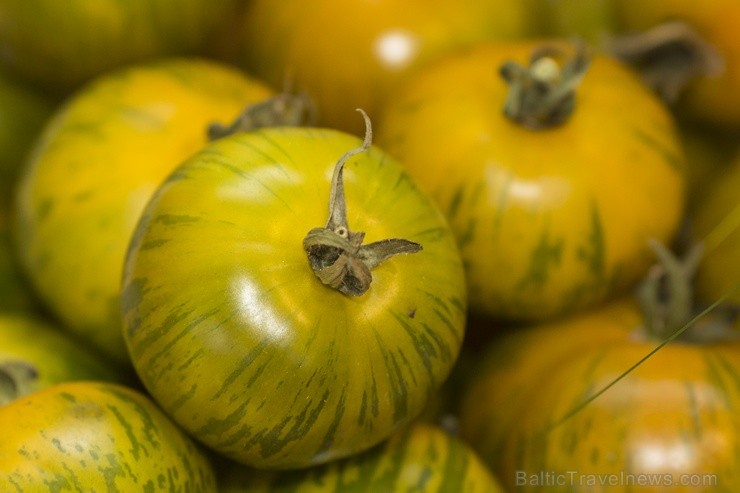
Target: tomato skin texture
{"x":548,"y":221}
{"x":419,"y":457}
{"x":110,"y":146}
{"x":713,"y":99}
{"x":91,"y":436}
{"x":365,"y":47}
{"x":716,"y":222}
{"x":673,"y":415}
{"x":55,"y":356}
{"x":236,"y":338}
{"x":59,"y":46}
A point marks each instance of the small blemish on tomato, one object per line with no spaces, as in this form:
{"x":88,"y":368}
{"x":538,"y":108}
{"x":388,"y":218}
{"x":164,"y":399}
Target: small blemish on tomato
{"x":412,"y":313}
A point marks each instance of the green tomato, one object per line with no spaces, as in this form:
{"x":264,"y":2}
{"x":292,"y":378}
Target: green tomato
{"x":58,"y":46}
{"x":420,"y":457}
{"x":244,"y":345}
{"x":42,"y":355}
{"x":92,"y":436}
{"x":96,"y":165}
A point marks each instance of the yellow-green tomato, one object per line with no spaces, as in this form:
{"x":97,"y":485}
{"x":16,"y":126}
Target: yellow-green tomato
{"x":348,"y":54}
{"x":253,"y":351}
{"x":549,"y":219}
{"x":96,"y":165}
{"x":46,"y":355}
{"x":59,"y":46}
{"x":420,"y":457}
{"x":101,"y":437}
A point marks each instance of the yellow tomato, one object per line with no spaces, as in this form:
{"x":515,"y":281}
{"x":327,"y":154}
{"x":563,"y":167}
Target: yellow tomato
{"x":548,"y":220}
{"x":347,"y":54}
{"x":672,"y":421}
{"x":93,"y":170}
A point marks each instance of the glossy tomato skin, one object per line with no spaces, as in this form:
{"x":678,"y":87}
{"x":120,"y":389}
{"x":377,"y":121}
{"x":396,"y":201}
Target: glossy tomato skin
{"x":92,"y":436}
{"x":365,"y":47}
{"x":712,"y":98}
{"x":716,"y":223}
{"x":548,"y":221}
{"x":59,"y":46}
{"x":94,"y":168}
{"x":237,"y":339}
{"x":418,"y":456}
{"x":672,"y":418}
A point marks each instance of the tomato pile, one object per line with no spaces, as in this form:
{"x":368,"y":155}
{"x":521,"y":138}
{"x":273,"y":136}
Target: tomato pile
{"x":393,"y":246}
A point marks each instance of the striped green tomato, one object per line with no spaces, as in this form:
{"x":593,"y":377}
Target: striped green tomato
{"x":94,"y":168}
{"x":253,"y":353}
{"x":61,"y":45}
{"x":101,"y":437}
{"x":418,"y":458}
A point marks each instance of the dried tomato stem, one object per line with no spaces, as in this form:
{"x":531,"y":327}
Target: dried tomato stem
{"x":285,"y":109}
{"x":668,"y":57}
{"x":542,"y":95}
{"x":335,"y":253}
{"x":666,"y":297}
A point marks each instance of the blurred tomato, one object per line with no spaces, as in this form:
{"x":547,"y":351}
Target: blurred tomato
{"x":672,"y":420}
{"x":60,"y":45}
{"x":93,"y":170}
{"x":716,"y":222}
{"x":347,"y":54}
{"x":714,"y":97}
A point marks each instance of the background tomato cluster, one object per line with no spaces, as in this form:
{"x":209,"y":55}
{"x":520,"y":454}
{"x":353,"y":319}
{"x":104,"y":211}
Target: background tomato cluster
{"x":581,"y":153}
